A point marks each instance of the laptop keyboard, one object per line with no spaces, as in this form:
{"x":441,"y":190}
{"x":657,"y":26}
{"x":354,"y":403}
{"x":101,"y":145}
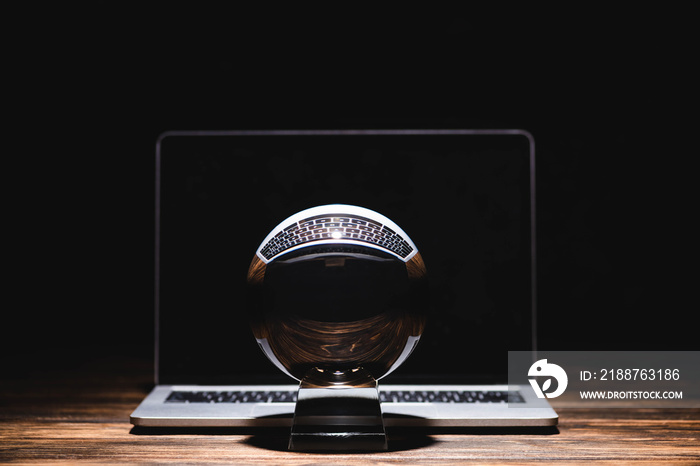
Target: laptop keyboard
{"x":451,"y":396}
{"x":320,"y":227}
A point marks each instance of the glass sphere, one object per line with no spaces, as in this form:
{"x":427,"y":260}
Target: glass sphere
{"x":337,"y":289}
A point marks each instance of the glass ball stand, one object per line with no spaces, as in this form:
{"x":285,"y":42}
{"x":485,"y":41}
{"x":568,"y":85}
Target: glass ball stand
{"x":338,"y":411}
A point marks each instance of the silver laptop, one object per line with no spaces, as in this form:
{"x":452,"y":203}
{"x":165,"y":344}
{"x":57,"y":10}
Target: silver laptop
{"x":465,"y":197}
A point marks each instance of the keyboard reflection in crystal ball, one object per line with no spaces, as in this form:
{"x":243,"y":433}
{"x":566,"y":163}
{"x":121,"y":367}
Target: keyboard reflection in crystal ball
{"x":335,"y":290}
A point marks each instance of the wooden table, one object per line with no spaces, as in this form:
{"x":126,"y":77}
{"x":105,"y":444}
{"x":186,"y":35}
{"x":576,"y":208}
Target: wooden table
{"x":83,"y":415}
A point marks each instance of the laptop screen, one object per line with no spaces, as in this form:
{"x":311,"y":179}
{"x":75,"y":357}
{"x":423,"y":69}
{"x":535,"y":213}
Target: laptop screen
{"x":463,"y":197}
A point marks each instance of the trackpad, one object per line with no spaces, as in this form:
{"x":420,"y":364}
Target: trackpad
{"x":422,"y":410}
{"x":388,"y":409}
{"x":273,"y":409}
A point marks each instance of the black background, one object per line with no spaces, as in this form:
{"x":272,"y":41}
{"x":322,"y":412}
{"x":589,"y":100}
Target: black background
{"x":608,"y":98}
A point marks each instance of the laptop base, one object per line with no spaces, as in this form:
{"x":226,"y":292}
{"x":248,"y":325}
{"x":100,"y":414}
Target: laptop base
{"x":155,"y":411}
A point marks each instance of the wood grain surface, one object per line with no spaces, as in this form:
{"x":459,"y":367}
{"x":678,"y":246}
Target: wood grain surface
{"x":84,"y":416}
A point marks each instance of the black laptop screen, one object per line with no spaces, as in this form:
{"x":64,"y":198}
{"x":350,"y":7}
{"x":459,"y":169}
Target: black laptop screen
{"x":463,"y":198}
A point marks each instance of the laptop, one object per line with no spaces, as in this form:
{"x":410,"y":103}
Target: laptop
{"x":465,"y":198}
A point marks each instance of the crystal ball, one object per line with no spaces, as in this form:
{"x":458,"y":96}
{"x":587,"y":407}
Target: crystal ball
{"x":336,"y":289}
